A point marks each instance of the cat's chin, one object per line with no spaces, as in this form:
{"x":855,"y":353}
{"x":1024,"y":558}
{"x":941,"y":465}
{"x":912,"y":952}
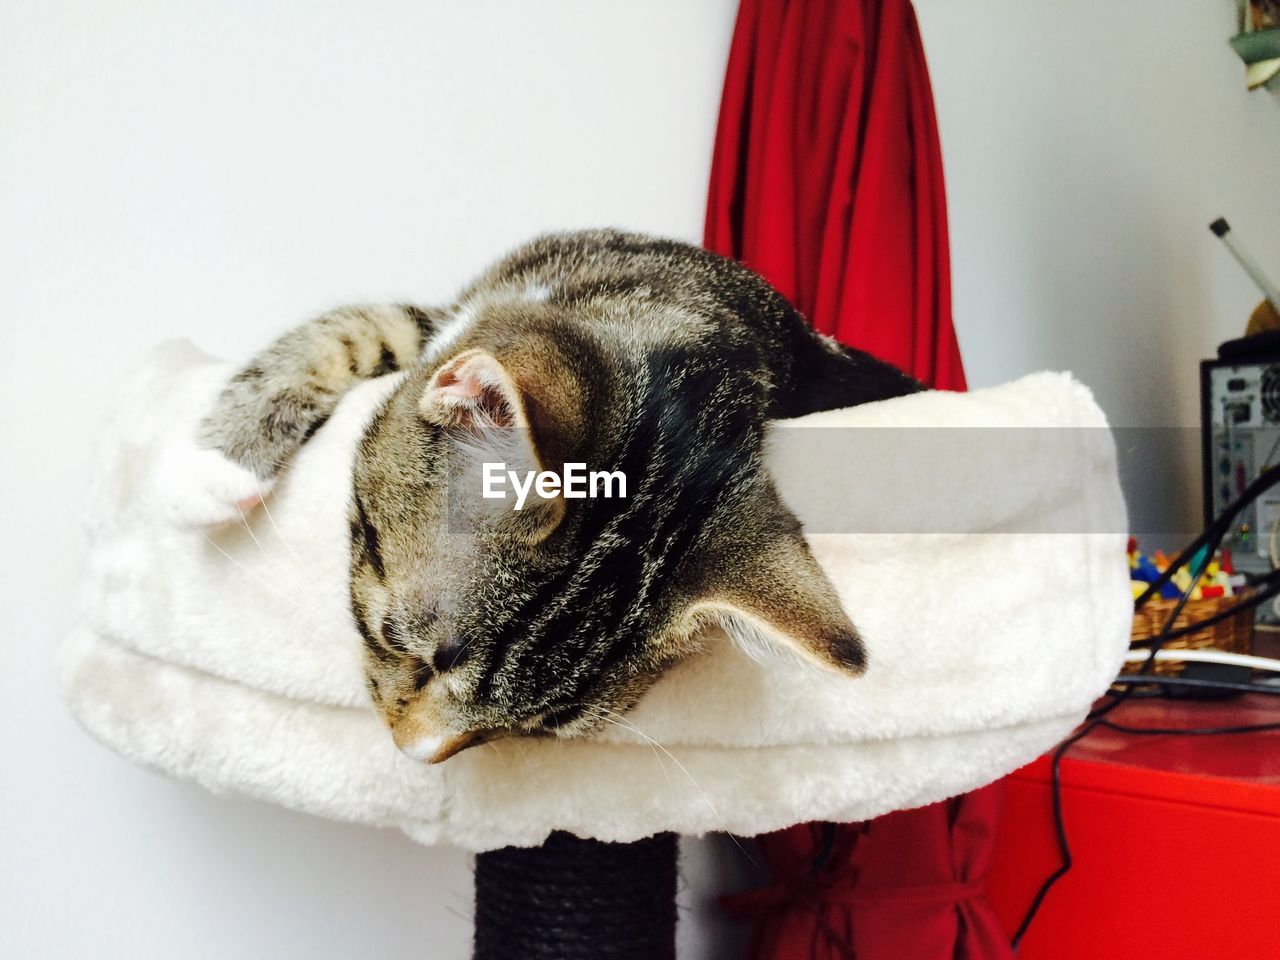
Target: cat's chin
{"x":430,"y":749}
{"x":198,"y":487}
{"x":439,"y":748}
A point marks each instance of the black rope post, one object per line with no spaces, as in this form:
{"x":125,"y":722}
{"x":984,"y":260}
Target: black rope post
{"x":576,"y":899}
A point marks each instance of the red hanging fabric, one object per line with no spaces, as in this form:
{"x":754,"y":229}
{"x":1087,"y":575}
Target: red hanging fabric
{"x":905,"y":886}
{"x":827,"y":179}
{"x":827,"y":176}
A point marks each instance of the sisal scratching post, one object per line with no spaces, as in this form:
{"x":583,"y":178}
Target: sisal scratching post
{"x":576,"y":899}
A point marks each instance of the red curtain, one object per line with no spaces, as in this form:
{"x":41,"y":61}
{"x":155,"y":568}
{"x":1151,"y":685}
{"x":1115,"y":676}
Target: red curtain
{"x":827,"y":176}
{"x":905,"y":886}
{"x":827,"y":179}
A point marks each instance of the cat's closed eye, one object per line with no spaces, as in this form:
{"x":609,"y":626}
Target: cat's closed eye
{"x":450,"y":653}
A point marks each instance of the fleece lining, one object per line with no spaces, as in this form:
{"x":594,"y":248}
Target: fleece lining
{"x":227,"y":656}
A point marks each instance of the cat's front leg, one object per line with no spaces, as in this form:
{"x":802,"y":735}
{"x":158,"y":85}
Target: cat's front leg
{"x":276,"y":402}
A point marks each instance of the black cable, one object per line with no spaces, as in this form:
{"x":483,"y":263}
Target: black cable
{"x":1092,"y":722}
{"x":1188,"y":731}
{"x":1215,"y":531}
{"x":1097,"y":719}
{"x":1134,"y":679}
{"x":1064,"y":847}
{"x":1209,"y":541}
{"x":1129,"y":692}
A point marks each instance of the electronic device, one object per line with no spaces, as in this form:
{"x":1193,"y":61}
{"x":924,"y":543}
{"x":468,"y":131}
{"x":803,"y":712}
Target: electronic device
{"x":1240,"y":437}
{"x":1240,"y":425}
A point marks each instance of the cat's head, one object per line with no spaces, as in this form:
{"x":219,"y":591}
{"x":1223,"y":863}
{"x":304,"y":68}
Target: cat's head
{"x":483,"y":621}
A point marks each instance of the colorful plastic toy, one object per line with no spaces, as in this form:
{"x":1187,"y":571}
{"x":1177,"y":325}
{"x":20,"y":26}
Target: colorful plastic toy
{"x":1204,"y":577}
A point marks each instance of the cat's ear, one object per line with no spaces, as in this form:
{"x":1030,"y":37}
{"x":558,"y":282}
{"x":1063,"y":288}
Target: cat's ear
{"x":475,"y":395}
{"x":776,"y":596}
{"x":473,"y":391}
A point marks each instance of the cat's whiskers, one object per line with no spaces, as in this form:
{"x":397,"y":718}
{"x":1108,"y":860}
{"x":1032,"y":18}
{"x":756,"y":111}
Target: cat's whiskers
{"x":303,"y":611}
{"x":517,"y":745}
{"x":472,"y":636}
{"x":271,"y":559}
{"x":621,"y":721}
{"x":244,"y":520}
{"x":262,"y":501}
{"x":653,"y":749}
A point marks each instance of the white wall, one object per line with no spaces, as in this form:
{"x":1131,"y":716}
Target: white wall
{"x":1087,"y":147}
{"x":220,"y":170}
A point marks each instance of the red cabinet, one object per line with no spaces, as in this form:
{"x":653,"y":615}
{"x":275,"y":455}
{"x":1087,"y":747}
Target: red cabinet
{"x":1176,"y":840}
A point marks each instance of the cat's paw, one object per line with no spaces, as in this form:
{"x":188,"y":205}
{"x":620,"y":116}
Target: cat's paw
{"x":201,"y":488}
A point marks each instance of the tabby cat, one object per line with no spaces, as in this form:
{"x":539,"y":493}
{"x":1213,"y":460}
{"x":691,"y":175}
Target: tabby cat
{"x":612,"y":349}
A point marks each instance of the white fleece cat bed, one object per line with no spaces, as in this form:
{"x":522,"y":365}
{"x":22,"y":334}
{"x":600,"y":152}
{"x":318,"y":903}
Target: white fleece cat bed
{"x":227,"y":656}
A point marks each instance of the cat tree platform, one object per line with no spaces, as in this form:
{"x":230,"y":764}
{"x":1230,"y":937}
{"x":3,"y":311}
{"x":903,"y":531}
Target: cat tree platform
{"x":992,"y":620}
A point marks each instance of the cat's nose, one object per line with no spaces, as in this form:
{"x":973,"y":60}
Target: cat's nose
{"x":434,"y":748}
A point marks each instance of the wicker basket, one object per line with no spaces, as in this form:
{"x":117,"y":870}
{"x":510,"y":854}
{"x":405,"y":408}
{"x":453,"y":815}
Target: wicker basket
{"x":1234,"y":634}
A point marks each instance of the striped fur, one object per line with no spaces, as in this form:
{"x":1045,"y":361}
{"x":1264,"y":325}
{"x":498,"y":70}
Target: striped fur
{"x":616,"y":350}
